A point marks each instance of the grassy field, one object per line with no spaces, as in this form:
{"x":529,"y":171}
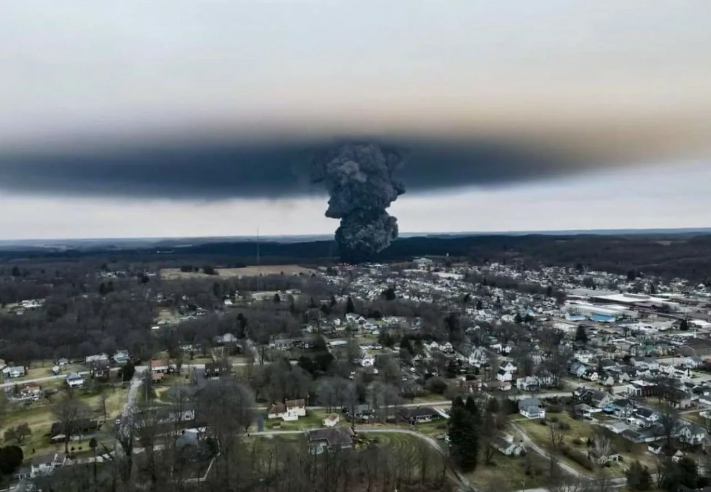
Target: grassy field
{"x":250,"y":271}
{"x":510,"y":473}
{"x":576,"y":439}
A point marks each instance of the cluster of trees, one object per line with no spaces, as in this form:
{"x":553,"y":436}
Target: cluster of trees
{"x":153,"y":455}
{"x":17,"y":433}
{"x":472,"y":429}
{"x":11,"y":458}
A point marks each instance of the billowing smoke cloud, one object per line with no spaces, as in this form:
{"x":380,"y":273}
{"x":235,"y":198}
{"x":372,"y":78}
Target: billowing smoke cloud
{"x":361,"y":182}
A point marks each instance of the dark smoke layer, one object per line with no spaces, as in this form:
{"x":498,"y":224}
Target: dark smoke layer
{"x":361,"y":182}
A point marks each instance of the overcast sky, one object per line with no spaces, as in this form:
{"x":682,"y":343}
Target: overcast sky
{"x":612,"y":100}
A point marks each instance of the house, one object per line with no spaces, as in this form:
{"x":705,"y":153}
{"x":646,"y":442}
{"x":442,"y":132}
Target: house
{"x":530,"y":383}
{"x":96,"y":358}
{"x":121,"y":357}
{"x":45,"y":464}
{"x":478,"y":357}
{"x":591,"y":375}
{"x":62,"y":362}
{"x":504,"y":376}
{"x":418,"y":415}
{"x":692,"y":434}
{"x":288,"y":411}
{"x":622,"y":407}
{"x":508,"y":366}
{"x":531,"y":408}
{"x":159,"y":365}
{"x":505,"y":445}
{"x":331,"y":439}
{"x":15,"y":371}
{"x":602,"y":459}
{"x":600,"y":399}
{"x":692,"y":362}
{"x":577,"y":369}
{"x":101,"y":370}
{"x":331,"y":420}
{"x":31,"y":389}
{"x":75,"y":380}
{"x":498,"y":385}
{"x":78,"y":427}
{"x":647,"y":414}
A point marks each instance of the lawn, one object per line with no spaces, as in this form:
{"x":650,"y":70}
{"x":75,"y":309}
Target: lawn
{"x":510,"y":472}
{"x":116,"y":399}
{"x":576,"y":439}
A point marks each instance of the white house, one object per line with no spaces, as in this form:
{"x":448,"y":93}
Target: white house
{"x":478,"y":357}
{"x":508,"y":366}
{"x":692,"y":434}
{"x":96,"y":358}
{"x":75,"y":380}
{"x":288,"y":411}
{"x":505,"y":445}
{"x":531,"y":408}
{"x":331,"y":420}
{"x":45,"y":464}
{"x":503,"y":376}
{"x":15,"y":371}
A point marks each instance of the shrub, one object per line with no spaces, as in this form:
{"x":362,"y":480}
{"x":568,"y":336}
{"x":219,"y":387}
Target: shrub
{"x":553,"y":419}
{"x":578,"y":457}
{"x":554,"y":409}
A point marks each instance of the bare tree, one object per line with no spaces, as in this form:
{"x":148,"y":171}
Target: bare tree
{"x":558,"y":431}
{"x":69,"y":411}
{"x":602,"y":445}
{"x":227,"y":408}
{"x":668,"y":423}
{"x":570,"y":484}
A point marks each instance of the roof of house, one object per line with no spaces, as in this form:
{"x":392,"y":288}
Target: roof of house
{"x":334,"y":436}
{"x":411,"y":413}
{"x":276,"y":408}
{"x":159,"y":363}
{"x":529,"y":402}
{"x":46,"y":459}
{"x":295,"y":403}
{"x":645,"y":412}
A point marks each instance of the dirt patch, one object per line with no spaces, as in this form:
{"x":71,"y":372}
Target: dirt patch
{"x":250,"y":271}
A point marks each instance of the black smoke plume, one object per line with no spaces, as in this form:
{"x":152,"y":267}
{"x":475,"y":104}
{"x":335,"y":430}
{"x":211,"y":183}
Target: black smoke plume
{"x":360,"y":179}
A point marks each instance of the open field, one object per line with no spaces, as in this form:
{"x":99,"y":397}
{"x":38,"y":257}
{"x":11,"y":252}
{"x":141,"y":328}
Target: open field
{"x":250,"y":271}
{"x":510,"y":472}
{"x":576,"y":439}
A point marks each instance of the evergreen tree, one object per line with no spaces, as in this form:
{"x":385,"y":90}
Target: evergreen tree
{"x":684,"y":325}
{"x":479,"y":305}
{"x":350,"y":306}
{"x":464,"y":433}
{"x":580,"y":335}
{"x":518,"y":319}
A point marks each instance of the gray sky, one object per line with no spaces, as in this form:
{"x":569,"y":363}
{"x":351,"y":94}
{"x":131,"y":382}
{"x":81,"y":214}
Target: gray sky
{"x":618,"y":92}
